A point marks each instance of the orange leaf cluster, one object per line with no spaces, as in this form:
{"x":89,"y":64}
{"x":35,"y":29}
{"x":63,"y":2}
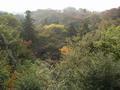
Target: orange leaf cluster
{"x":11,"y":81}
{"x":65,"y":50}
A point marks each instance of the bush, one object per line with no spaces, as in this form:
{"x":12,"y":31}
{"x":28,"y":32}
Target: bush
{"x":4,"y":76}
{"x":102,"y":73}
{"x":35,"y":78}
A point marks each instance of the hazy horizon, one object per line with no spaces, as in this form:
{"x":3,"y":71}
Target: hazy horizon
{"x":15,"y":6}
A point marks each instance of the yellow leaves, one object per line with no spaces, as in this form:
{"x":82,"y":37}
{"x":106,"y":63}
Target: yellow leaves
{"x":65,"y":50}
{"x":54,"y":26}
{"x":53,"y":30}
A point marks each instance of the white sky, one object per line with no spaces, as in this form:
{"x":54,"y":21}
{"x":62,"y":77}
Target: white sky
{"x":21,"y":6}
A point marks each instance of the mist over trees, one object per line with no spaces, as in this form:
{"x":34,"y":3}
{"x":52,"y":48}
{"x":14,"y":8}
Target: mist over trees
{"x":70,"y":49}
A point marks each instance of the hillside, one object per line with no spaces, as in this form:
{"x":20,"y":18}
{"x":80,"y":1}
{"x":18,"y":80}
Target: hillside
{"x":69,"y":49}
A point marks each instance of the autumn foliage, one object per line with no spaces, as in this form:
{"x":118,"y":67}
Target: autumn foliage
{"x":65,"y":50}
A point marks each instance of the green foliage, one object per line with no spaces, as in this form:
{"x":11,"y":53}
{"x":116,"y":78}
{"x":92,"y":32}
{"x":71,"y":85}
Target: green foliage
{"x":9,"y":36}
{"x":28,"y":32}
{"x":80,"y":49}
{"x":87,"y":67}
{"x":88,"y":72}
{"x":102,"y":73}
{"x":4,"y":75}
{"x":110,"y":42}
{"x":54,"y":31}
{"x":9,"y":26}
{"x":34,"y":78}
{"x":9,"y":20}
{"x":52,"y":37}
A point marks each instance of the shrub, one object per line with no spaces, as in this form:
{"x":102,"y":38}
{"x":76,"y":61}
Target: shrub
{"x":34,"y":78}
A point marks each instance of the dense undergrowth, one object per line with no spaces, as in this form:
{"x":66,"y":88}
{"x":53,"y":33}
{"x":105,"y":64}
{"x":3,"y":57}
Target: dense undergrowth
{"x":79,"y":55}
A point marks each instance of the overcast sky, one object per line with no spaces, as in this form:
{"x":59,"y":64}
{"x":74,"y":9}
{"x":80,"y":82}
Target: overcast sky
{"x":21,"y":6}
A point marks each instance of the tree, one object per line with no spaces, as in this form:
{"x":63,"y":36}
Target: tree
{"x":110,"y":42}
{"x":51,"y":38}
{"x":28,"y":32}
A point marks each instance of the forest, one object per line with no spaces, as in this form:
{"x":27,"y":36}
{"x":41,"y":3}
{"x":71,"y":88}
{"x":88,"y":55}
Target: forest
{"x":69,"y":49}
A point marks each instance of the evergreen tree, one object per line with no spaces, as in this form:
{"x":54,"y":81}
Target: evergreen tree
{"x":28,"y":32}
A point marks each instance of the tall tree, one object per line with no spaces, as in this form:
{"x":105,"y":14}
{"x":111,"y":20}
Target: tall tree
{"x":28,"y":33}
